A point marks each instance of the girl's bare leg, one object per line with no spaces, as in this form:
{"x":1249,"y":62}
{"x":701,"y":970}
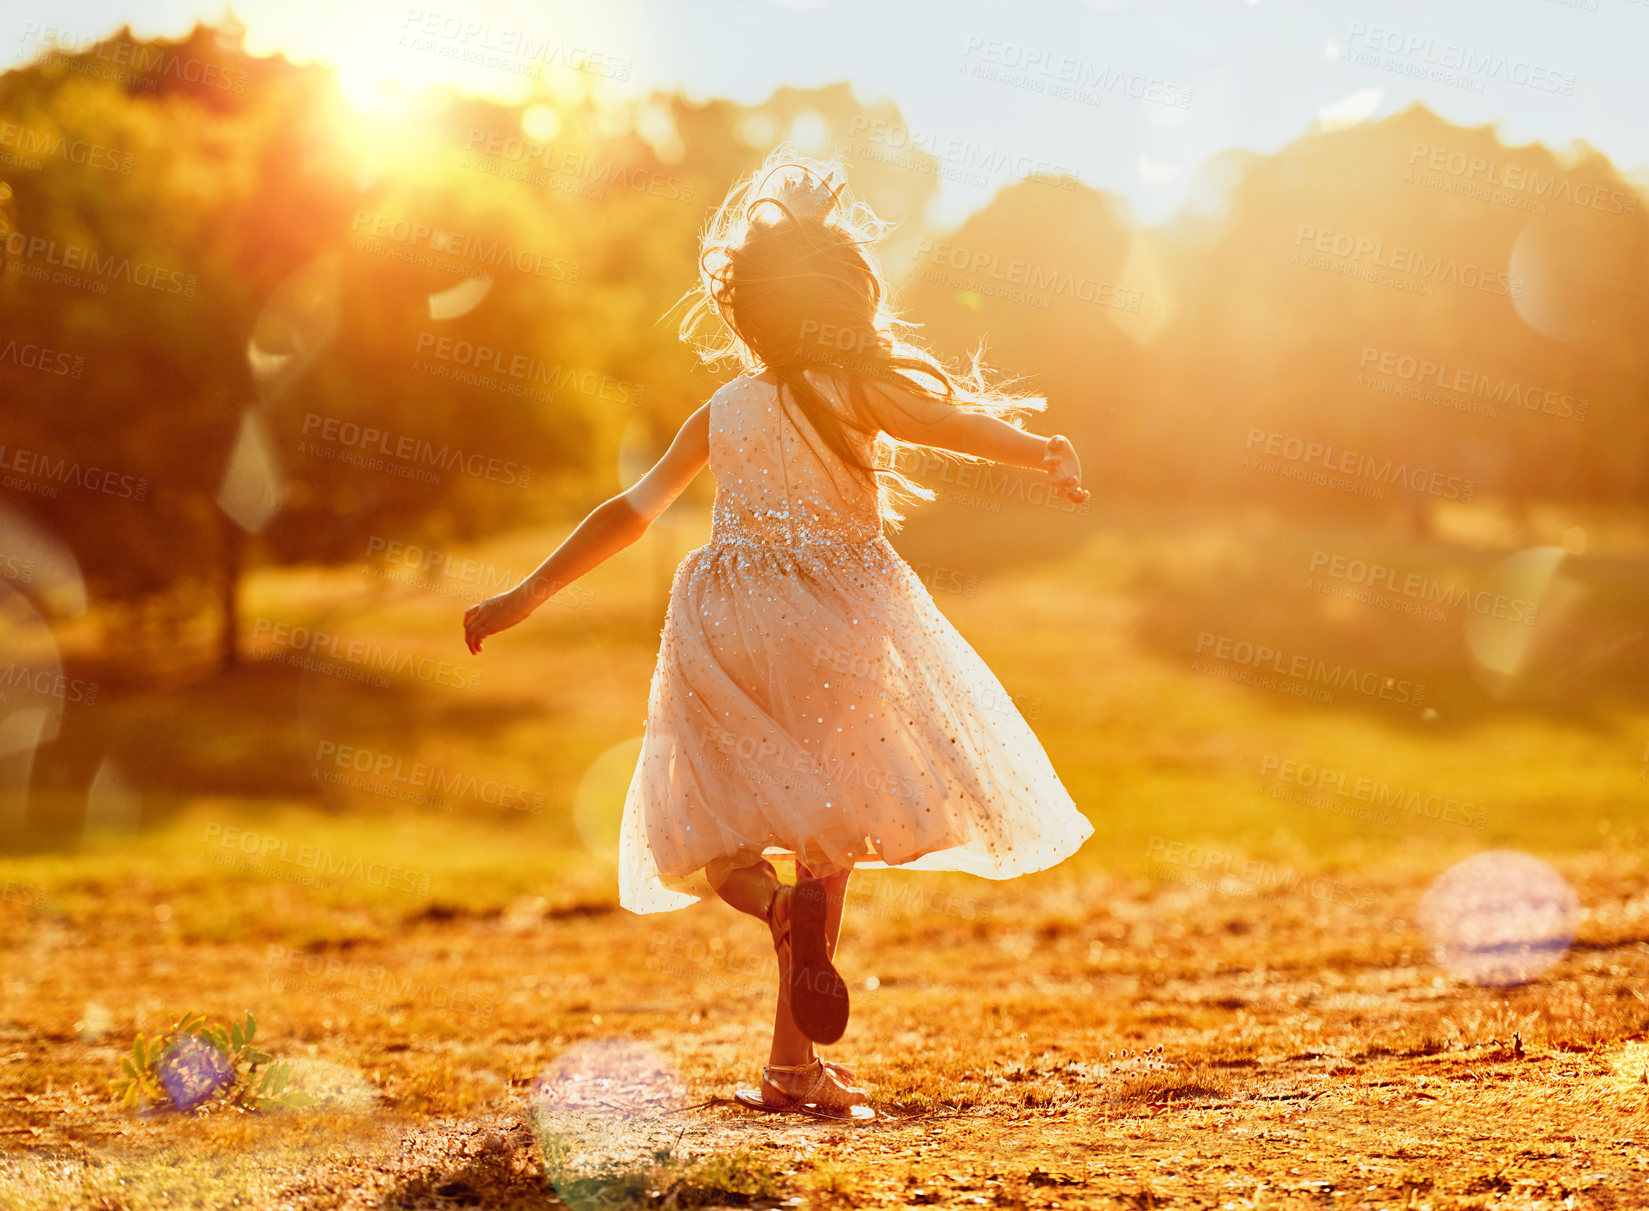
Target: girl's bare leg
{"x":750,"y":889}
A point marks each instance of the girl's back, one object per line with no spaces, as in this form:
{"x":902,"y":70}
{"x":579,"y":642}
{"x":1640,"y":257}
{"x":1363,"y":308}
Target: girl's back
{"x":778,"y":482}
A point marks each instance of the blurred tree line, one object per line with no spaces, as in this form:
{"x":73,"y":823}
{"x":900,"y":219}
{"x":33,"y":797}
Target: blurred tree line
{"x":242,"y":320}
{"x":289,"y":328}
{"x":1409,"y":295}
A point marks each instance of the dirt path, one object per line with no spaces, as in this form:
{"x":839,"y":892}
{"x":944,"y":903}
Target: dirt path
{"x":1099,"y":1043}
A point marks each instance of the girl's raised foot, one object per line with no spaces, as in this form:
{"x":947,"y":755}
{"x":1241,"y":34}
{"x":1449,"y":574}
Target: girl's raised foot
{"x":818,"y":994}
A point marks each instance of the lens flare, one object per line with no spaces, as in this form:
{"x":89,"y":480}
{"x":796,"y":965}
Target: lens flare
{"x":1499,"y":918}
{"x":335,"y":1087}
{"x":32,"y":710}
{"x":604,"y":1107}
{"x":1531,"y":602}
{"x":193,"y":1071}
{"x":1351,"y":110}
{"x":1629,"y":1066}
{"x":598,"y":804}
{"x":112,"y":806}
{"x":1561,"y":275}
{"x":461,"y":299}
{"x":1142,"y":272}
{"x":40,"y":565}
{"x":296,"y":324}
{"x":637,"y":451}
{"x":253,"y":487}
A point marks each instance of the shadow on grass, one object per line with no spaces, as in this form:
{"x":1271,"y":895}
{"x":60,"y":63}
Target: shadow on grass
{"x":1568,"y":651}
{"x":493,"y":1182}
{"x":250,"y":733}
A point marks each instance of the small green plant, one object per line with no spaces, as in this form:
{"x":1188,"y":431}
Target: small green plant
{"x":197,"y":1065}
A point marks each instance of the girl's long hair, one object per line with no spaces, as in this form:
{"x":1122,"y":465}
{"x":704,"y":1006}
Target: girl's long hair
{"x":787,"y":265}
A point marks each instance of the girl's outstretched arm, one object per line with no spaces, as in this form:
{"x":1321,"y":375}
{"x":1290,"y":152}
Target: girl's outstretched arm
{"x":914,"y":418}
{"x":609,"y":528}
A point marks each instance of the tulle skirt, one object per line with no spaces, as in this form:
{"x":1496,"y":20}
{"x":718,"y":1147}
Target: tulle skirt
{"x":811,"y":700}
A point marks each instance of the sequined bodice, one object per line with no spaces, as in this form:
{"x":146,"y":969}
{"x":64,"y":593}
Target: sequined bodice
{"x":775,"y":483}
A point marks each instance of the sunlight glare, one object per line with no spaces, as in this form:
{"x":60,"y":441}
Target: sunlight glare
{"x":1349,"y":111}
{"x":374,"y":96}
{"x":809,"y":132}
{"x":540,"y":123}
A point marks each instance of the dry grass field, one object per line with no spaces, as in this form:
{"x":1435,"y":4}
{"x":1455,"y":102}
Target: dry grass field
{"x":1229,"y":999}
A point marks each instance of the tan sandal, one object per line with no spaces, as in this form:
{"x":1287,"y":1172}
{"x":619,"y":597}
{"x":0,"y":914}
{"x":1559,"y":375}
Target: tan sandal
{"x":781,"y":943}
{"x":843,"y":1073}
{"x":813,"y":1089}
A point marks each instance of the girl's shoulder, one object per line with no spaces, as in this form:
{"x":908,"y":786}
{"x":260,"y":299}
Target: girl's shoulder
{"x":831,"y":386}
{"x":722,"y":394}
{"x":732,"y":385}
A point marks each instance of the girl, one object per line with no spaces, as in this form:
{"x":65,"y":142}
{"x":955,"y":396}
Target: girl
{"x":810,"y":701}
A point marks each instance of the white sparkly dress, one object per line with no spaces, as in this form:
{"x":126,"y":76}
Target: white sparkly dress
{"x":810,"y":698}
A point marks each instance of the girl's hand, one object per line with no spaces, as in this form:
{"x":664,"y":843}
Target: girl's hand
{"x":493,"y":615}
{"x":1059,"y":461}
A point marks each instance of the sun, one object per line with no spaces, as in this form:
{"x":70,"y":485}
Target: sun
{"x":382,"y":116}
{"x":383,"y":99}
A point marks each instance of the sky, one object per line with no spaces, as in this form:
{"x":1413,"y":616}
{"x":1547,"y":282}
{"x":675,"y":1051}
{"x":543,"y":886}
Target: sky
{"x":1130,"y":96}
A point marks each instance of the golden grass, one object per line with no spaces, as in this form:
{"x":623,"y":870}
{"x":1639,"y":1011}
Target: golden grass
{"x":1314,"y":1051}
{"x":1117,"y":1032}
